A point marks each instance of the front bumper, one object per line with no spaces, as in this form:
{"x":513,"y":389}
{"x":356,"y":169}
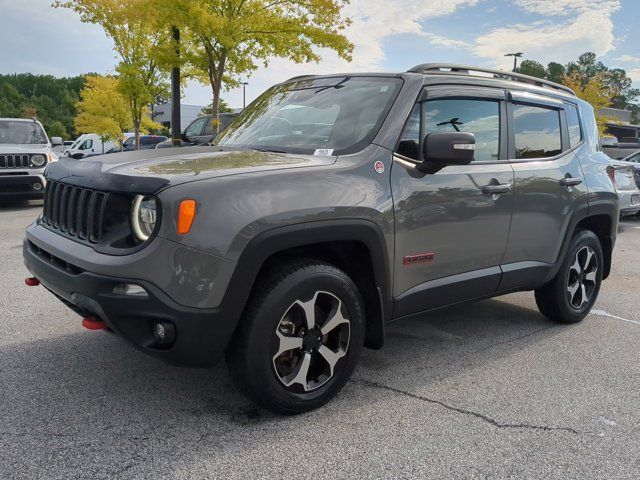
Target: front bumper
{"x":22,"y":184}
{"x":201,"y":335}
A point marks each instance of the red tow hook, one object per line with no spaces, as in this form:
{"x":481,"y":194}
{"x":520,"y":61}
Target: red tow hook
{"x":31,"y":282}
{"x":93,"y":323}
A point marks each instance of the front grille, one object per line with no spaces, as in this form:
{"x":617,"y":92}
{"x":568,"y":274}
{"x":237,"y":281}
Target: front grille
{"x":75,"y":211}
{"x":19,"y":160}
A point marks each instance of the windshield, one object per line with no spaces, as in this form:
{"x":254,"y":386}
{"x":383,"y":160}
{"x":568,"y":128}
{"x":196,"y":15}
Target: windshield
{"x":325,"y":115}
{"x":22,"y":133}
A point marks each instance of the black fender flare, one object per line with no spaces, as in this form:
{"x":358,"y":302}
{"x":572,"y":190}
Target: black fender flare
{"x":279,"y":239}
{"x":603,"y":207}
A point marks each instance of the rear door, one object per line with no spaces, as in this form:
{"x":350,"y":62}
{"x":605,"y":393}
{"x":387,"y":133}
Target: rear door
{"x":544,"y":142}
{"x":451,"y":230}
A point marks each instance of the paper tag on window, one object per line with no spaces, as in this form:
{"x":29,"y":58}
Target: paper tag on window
{"x":323,"y":151}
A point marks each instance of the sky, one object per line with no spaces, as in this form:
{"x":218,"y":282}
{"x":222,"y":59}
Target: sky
{"x":389,"y":35}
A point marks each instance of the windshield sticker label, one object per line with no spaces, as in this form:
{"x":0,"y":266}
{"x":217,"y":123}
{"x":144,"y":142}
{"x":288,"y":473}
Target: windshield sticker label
{"x":323,"y":151}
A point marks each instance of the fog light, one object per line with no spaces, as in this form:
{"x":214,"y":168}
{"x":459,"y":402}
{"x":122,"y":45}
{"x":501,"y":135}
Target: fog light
{"x":164,"y":332}
{"x":130,"y":289}
{"x":37,"y":186}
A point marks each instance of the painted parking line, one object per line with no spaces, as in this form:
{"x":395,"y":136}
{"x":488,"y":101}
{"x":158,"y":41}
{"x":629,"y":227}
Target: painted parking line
{"x":602,"y":313}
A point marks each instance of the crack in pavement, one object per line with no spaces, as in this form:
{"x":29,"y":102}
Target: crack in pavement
{"x":463,"y":411}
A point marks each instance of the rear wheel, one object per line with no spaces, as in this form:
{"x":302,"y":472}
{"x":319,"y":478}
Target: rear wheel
{"x":569,"y":297}
{"x":300,"y":338}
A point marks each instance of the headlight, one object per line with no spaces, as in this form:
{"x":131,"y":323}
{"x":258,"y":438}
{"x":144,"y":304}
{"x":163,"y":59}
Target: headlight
{"x":143,"y":216}
{"x":38,"y":160}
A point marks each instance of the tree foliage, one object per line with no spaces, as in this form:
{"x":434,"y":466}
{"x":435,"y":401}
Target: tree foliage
{"x":588,"y":75}
{"x":594,"y":90}
{"x":103,"y":109}
{"x":223,"y":41}
{"x":137,"y":43}
{"x":52,"y":100}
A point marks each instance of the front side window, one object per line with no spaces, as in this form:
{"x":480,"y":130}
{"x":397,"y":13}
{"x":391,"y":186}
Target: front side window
{"x":573,"y":124}
{"x":480,"y":117}
{"x":196,"y":127}
{"x":537,"y":132}
{"x":87,"y":145}
{"x":21,"y":133}
{"x":337,"y":114}
{"x":409,"y":145}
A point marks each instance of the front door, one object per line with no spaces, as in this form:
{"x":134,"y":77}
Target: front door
{"x":452,"y":226}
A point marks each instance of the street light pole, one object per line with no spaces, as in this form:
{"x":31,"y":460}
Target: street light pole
{"x":515,"y":58}
{"x":176,"y":134}
{"x":244,"y":94}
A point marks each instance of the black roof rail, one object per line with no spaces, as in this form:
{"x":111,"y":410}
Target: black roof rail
{"x":450,"y":68}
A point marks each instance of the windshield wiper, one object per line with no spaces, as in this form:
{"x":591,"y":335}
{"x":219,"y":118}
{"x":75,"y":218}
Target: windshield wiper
{"x":271,"y":150}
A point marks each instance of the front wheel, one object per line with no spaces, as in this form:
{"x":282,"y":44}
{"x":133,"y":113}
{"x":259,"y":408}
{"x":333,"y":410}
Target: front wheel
{"x":300,"y":338}
{"x":568,"y":298}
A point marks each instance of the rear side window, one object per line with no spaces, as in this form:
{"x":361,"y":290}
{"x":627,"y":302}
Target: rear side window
{"x":480,"y":117}
{"x":537,"y":131}
{"x":573,"y":124}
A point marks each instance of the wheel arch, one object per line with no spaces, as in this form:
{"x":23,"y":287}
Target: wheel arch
{"x":356,"y":246}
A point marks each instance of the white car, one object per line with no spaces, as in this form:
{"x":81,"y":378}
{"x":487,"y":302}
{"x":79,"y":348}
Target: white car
{"x":25,"y":151}
{"x":88,"y":145}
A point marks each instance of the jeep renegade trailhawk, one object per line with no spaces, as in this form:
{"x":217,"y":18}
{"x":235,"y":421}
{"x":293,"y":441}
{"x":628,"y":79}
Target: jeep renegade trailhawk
{"x":330,"y":206}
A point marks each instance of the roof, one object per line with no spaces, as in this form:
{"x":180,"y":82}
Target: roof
{"x":19,"y":120}
{"x":451,"y":69}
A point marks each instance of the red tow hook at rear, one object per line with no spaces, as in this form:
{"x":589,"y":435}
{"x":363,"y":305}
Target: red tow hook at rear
{"x":31,"y":282}
{"x":93,"y":323}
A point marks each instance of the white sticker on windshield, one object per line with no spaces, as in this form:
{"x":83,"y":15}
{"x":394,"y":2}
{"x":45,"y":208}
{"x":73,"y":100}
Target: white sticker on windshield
{"x":323,"y":151}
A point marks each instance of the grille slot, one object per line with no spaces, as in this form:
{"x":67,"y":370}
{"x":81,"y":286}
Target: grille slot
{"x":75,"y":211}
{"x":17,"y":160}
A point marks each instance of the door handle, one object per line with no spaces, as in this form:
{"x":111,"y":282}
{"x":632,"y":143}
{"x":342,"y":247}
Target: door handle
{"x":570,"y":181}
{"x":496,"y":189}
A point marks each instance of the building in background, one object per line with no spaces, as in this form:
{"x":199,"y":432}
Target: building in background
{"x":620,"y":125}
{"x":188,"y":113}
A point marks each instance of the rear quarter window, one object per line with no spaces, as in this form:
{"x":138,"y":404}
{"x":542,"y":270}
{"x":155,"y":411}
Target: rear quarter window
{"x":573,"y":124}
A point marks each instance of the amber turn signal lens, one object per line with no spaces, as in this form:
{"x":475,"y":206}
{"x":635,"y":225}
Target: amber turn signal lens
{"x":186,"y":214}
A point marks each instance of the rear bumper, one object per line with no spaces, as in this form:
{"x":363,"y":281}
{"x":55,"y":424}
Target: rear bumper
{"x":23,"y":185}
{"x":629,"y":202}
{"x":201,"y":335}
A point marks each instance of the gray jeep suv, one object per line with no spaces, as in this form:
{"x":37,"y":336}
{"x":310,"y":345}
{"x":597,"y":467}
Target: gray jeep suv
{"x":330,"y":206}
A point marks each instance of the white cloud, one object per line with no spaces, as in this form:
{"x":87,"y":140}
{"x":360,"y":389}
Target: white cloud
{"x":634,"y":74}
{"x":627,"y":59}
{"x":585,"y":25}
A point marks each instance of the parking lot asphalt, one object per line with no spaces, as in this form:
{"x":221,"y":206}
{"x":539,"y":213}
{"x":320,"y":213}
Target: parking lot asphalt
{"x":483,"y":390}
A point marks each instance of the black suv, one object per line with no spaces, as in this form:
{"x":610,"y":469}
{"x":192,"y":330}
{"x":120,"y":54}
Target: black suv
{"x":330,"y":206}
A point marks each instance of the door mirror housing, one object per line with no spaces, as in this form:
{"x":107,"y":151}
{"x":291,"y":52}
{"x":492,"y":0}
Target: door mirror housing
{"x":448,"y":148}
{"x":56,"y":141}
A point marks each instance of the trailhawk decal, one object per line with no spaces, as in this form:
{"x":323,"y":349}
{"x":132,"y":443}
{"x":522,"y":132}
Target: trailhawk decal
{"x":419,"y":258}
{"x":378,"y":166}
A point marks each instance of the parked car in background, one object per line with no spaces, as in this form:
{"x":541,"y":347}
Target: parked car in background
{"x":200,"y":131}
{"x":146,"y":142}
{"x":89,"y":145}
{"x":626,"y":180}
{"x":67,"y":143}
{"x":25,"y":151}
{"x":635,"y":159}
{"x":618,"y":150}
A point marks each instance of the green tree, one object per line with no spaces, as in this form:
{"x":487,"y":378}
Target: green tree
{"x":223,"y":107}
{"x":56,"y":129}
{"x":103,"y":109}
{"x":136,"y":42}
{"x":593,"y":90}
{"x":226,"y":40}
{"x":555,"y":72}
{"x":532,"y":68}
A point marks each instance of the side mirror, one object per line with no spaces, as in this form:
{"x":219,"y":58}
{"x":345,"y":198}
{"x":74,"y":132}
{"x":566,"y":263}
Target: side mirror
{"x":448,"y":148}
{"x":77,"y":156}
{"x":56,"y":141}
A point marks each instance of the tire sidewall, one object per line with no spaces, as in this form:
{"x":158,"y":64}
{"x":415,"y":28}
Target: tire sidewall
{"x":582,"y":239}
{"x":302,"y":285}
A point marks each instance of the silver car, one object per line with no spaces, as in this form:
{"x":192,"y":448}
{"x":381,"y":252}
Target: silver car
{"x":626,"y":183}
